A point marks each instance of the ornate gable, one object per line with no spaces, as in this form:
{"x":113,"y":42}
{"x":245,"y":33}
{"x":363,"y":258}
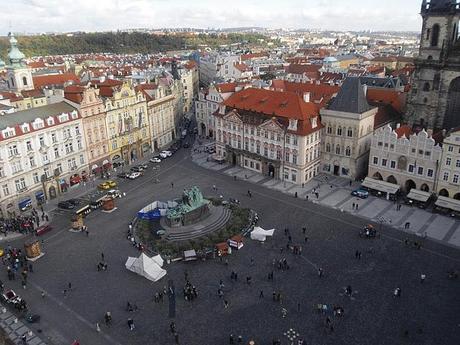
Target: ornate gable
{"x":271,"y":125}
{"x":233,"y":116}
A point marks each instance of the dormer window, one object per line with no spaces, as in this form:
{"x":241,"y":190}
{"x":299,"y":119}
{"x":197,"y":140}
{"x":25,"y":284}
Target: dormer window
{"x":63,"y":117}
{"x":8,"y":132}
{"x":74,"y":115}
{"x":25,"y":128}
{"x":292,"y":125}
{"x":50,"y":121}
{"x":314,"y":122}
{"x":222,"y":109}
{"x":38,"y":123}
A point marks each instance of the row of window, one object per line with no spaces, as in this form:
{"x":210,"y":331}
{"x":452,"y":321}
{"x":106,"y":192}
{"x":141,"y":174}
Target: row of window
{"x":21,"y":184}
{"x":455,"y":177}
{"x":412,"y":168}
{"x":339,"y":150}
{"x":413,"y":150}
{"x":341,"y":131}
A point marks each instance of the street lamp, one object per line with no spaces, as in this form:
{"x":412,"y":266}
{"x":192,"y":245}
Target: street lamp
{"x":292,"y":335}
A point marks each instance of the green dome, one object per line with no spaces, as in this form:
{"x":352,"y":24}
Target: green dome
{"x":15,"y":55}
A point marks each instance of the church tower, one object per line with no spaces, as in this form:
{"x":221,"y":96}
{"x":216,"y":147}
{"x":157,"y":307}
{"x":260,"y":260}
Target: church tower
{"x":19,"y":76}
{"x":434,"y":101}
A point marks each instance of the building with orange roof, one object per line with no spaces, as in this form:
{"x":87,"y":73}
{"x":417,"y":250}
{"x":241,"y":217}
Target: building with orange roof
{"x":55,"y":80}
{"x":271,"y":132}
{"x":405,"y":158}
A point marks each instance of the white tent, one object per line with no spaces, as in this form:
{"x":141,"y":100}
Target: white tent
{"x":149,"y":268}
{"x":260,"y":234}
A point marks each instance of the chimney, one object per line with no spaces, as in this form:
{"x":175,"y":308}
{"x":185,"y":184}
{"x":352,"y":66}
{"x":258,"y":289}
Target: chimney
{"x":444,"y":132}
{"x":429,"y":132}
{"x":398,"y":125}
{"x":306,"y":97}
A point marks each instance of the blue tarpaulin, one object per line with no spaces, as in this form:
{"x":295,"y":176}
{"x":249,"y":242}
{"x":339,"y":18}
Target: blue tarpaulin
{"x":23,"y":204}
{"x":149,"y":215}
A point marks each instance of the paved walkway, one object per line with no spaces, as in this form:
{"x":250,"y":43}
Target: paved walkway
{"x":335,"y":192}
{"x":15,"y":329}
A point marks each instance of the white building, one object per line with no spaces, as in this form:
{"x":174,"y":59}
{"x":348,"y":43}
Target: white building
{"x":274,"y":133}
{"x":41,"y":149}
{"x":348,"y":127}
{"x":402,"y":157}
{"x":449,"y":171}
{"x":208,"y":102}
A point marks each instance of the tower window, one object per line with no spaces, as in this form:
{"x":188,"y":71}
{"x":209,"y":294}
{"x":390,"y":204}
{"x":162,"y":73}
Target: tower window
{"x":24,"y":81}
{"x":426,"y":86}
{"x":428,"y":32}
{"x":435,"y":35}
{"x":12,"y":82}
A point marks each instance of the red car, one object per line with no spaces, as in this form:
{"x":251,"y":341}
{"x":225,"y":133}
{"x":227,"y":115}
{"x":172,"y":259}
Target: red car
{"x":43,"y":229}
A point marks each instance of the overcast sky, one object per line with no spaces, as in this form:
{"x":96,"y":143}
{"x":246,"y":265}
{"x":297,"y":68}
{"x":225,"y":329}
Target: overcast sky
{"x":99,"y":15}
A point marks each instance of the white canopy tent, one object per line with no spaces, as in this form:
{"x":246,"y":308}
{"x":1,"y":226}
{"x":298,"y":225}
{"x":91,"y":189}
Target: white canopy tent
{"x":149,"y":268}
{"x":259,"y":234}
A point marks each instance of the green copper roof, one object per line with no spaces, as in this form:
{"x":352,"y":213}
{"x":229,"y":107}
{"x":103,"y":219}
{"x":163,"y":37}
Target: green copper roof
{"x":15,"y":55}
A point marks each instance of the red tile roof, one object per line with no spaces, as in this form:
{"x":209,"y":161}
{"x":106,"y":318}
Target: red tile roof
{"x":320,"y":93}
{"x":241,"y":67}
{"x":301,"y":69}
{"x":405,"y":130}
{"x":74,"y":93}
{"x":245,"y":57}
{"x":41,"y":81}
{"x":282,"y":105}
{"x":391,"y":97}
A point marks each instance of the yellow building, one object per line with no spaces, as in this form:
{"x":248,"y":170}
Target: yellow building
{"x":126,"y":121}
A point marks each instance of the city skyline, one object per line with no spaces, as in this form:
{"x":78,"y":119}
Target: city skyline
{"x":354,"y":15}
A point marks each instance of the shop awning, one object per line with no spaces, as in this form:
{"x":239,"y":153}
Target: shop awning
{"x":418,"y":195}
{"x":449,"y":203}
{"x":381,"y":186}
{"x":23,"y":204}
{"x":39,"y":195}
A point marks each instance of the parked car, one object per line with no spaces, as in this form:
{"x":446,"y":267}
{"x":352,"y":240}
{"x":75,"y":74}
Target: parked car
{"x":66,"y":205}
{"x":155,"y":160}
{"x":134,"y":175}
{"x":144,"y":166}
{"x":9,"y":296}
{"x":137,"y":169}
{"x":360,"y":193}
{"x":114,"y":193}
{"x":165,"y":154}
{"x":111,"y":183}
{"x":123,"y":175}
{"x":74,"y":202}
{"x":103,"y":186}
{"x":43,"y":230}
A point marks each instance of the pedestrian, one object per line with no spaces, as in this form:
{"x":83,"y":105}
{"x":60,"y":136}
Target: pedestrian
{"x":231,"y":340}
{"x":176,"y":338}
{"x":295,"y":195}
{"x":353,"y":206}
{"x":261,"y":294}
{"x":172,"y":327}
{"x":225,"y":304}
{"x":131,"y":324}
{"x":240,"y":339}
{"x":24,"y":284}
{"x":320,"y":272}
{"x":98,"y":328}
{"x":306,"y":197}
{"x":304,"y":230}
{"x":422,"y":278}
{"x":172,"y":185}
{"x":283,"y":313}
{"x":350,"y":182}
{"x":64,"y":293}
{"x":47,"y":218}
{"x":24,"y":339}
{"x":357,"y":205}
{"x":298,"y":307}
{"x":43,"y":294}
{"x":397,"y":292}
{"x":306,"y":239}
{"x":86,"y":231}
{"x":70,"y":286}
{"x":31,"y":268}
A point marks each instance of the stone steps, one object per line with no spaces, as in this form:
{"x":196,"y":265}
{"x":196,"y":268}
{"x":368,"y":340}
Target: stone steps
{"x":217,"y":225}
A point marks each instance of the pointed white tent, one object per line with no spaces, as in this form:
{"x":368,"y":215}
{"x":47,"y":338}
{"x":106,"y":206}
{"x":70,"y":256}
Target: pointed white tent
{"x":260,"y":234}
{"x":149,"y":268}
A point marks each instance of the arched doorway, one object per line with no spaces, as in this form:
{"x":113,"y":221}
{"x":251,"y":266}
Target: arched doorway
{"x":271,"y":170}
{"x":424,"y":187}
{"x":444,"y":192}
{"x":392,"y":179}
{"x":451,"y":118}
{"x":377,"y":176}
{"x":52,"y":192}
{"x":211,"y":133}
{"x":133,"y":154}
{"x":457,"y":196}
{"x":234,"y":158}
{"x":409,"y":185}
{"x":203,"y":129}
